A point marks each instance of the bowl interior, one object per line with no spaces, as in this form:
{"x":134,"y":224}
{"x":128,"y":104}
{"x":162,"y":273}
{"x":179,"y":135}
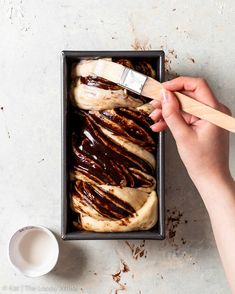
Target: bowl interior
{"x":33,"y":251}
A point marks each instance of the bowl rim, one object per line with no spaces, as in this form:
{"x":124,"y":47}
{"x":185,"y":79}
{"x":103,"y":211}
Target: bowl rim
{"x":55,"y":250}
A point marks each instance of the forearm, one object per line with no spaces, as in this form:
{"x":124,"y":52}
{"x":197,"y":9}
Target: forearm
{"x":204,"y":150}
{"x":218,"y":194}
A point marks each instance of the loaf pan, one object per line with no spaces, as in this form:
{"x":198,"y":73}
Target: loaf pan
{"x":68,"y":231}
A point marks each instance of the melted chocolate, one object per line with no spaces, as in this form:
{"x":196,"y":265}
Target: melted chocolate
{"x":99,"y":83}
{"x":104,"y":161}
{"x":129,"y":124}
{"x":125,"y":62}
{"x":97,"y":157}
{"x":104,"y":202}
{"x":145,"y":68}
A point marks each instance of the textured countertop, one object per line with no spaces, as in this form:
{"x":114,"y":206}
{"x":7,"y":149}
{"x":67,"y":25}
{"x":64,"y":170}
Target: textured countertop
{"x":197,"y":37}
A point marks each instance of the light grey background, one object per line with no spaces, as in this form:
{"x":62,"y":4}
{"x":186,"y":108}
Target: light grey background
{"x":32,"y":34}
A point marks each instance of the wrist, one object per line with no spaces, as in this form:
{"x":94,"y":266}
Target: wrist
{"x":215,"y":189}
{"x":213,"y":177}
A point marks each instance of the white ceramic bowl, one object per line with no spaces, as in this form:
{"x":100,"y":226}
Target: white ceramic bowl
{"x":33,"y":251}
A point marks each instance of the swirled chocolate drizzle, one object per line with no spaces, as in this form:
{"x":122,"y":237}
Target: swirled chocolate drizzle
{"x":132,"y":125}
{"x":105,"y":161}
{"x":99,"y":83}
{"x":112,"y":153}
{"x":105,"y":203}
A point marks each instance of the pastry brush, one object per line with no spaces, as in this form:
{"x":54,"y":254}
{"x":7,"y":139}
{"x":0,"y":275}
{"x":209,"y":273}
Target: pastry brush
{"x":143,"y":85}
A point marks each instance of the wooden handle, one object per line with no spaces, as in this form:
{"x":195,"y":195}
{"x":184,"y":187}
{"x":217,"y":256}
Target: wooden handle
{"x":152,"y":89}
{"x":113,"y":72}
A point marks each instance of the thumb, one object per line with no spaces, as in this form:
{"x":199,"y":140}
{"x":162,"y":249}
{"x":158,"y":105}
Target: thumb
{"x":172,"y":115}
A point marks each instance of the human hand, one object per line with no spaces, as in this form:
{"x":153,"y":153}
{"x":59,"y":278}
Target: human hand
{"x":203,"y":147}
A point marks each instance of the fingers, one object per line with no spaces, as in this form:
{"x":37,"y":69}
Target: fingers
{"x":225,"y":109}
{"x":196,"y":88}
{"x":156,"y":114}
{"x":159,"y":126}
{"x":182,"y":84}
{"x":156,"y":104}
{"x":173,"y":118}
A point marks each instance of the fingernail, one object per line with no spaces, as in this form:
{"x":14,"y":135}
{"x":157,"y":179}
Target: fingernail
{"x":164,"y":96}
{"x":166,"y":83}
{"x":151,"y":102}
{"x":151,"y":114}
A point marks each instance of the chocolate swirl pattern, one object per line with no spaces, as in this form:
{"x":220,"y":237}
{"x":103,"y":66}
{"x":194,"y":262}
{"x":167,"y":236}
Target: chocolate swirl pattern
{"x":112,"y":159}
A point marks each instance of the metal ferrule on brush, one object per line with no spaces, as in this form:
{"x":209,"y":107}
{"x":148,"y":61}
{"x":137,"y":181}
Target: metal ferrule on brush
{"x":132,"y":80}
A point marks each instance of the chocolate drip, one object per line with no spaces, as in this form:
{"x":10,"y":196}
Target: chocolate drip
{"x":145,"y":68}
{"x":132,"y":125}
{"x":125,"y":62}
{"x":104,"y":202}
{"x":141,"y":66}
{"x":108,"y":162}
{"x":99,"y":83}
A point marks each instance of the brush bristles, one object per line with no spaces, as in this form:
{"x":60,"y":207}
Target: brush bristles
{"x":108,"y":70}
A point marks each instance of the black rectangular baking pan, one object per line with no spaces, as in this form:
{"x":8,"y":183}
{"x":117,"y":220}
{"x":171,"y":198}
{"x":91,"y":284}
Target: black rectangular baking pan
{"x":68,"y":232}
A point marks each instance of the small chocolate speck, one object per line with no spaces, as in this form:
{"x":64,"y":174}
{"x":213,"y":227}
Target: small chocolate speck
{"x":137,"y":251}
{"x":125,"y":268}
{"x":142,"y":253}
{"x":2,"y":108}
{"x":173,"y":220}
{"x":185,"y":221}
{"x":171,"y":234}
{"x":117,"y":277}
{"x":192,"y":59}
{"x":183,"y":241}
{"x":174,"y":9}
